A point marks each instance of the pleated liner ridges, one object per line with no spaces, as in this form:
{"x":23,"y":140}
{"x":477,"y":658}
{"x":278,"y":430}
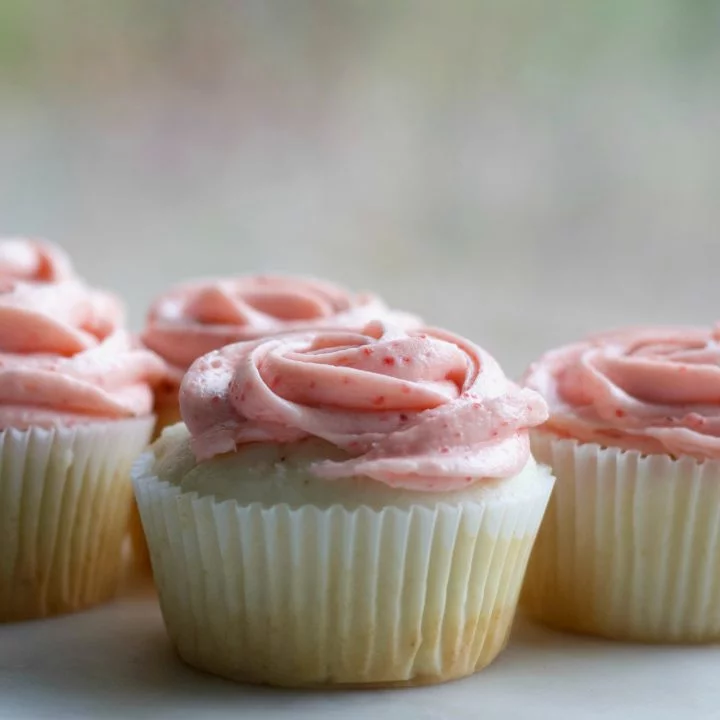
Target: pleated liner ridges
{"x":629,"y":548}
{"x":64,"y":499}
{"x":311,"y":597}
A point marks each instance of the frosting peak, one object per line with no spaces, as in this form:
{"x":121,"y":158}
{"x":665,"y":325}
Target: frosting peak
{"x":194,"y":318}
{"x":655,"y":390}
{"x":421,"y":409}
{"x":33,"y":260}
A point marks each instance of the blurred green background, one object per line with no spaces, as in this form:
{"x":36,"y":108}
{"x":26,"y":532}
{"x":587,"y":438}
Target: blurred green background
{"x":522,"y":172}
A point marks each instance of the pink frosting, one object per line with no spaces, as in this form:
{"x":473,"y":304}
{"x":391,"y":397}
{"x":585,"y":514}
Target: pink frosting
{"x":64,"y":358}
{"x":655,"y":390}
{"x":194,"y":318}
{"x":418,"y":409}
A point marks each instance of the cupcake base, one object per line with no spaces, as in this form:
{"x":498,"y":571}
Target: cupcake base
{"x":167,"y":412}
{"x":496,"y":628}
{"x":334,"y":596}
{"x":64,"y":501}
{"x":630,"y":545}
{"x":139,"y":553}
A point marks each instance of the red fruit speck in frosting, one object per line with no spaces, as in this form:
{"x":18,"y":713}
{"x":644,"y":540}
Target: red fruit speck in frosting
{"x":620,"y":413}
{"x":407,"y":359}
{"x":389,"y":360}
{"x":368,"y":351}
{"x":379,"y":400}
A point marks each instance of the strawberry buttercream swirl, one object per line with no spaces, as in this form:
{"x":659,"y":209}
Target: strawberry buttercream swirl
{"x":419,"y":409}
{"x":64,"y":357}
{"x":655,"y":390}
{"x":194,"y":318}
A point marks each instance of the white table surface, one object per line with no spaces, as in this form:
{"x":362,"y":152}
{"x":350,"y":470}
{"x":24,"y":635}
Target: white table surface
{"x":116,"y":662}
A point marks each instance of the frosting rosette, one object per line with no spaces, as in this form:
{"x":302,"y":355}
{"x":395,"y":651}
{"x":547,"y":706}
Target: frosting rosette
{"x":64,"y":357}
{"x":194,"y":318}
{"x":414,"y":408}
{"x":654,"y":390}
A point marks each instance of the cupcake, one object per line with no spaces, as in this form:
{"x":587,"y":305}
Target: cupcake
{"x":197,"y":317}
{"x":629,"y":548}
{"x":75,"y":410}
{"x":344,"y":508}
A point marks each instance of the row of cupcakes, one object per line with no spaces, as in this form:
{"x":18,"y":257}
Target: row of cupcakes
{"x":351,"y":498}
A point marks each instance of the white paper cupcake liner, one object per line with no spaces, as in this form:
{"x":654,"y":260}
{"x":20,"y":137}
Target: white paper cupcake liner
{"x":312,"y":597}
{"x":65,"y":494}
{"x":630,"y":545}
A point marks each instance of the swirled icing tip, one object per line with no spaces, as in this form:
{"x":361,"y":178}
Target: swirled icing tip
{"x":421,"y":409}
{"x":194,"y":318}
{"x":33,"y":260}
{"x":61,"y":318}
{"x":654,"y":390}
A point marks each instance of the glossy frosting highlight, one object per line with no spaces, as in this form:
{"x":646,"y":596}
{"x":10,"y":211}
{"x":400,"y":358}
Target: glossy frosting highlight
{"x":419,"y":409}
{"x":655,"y":390}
